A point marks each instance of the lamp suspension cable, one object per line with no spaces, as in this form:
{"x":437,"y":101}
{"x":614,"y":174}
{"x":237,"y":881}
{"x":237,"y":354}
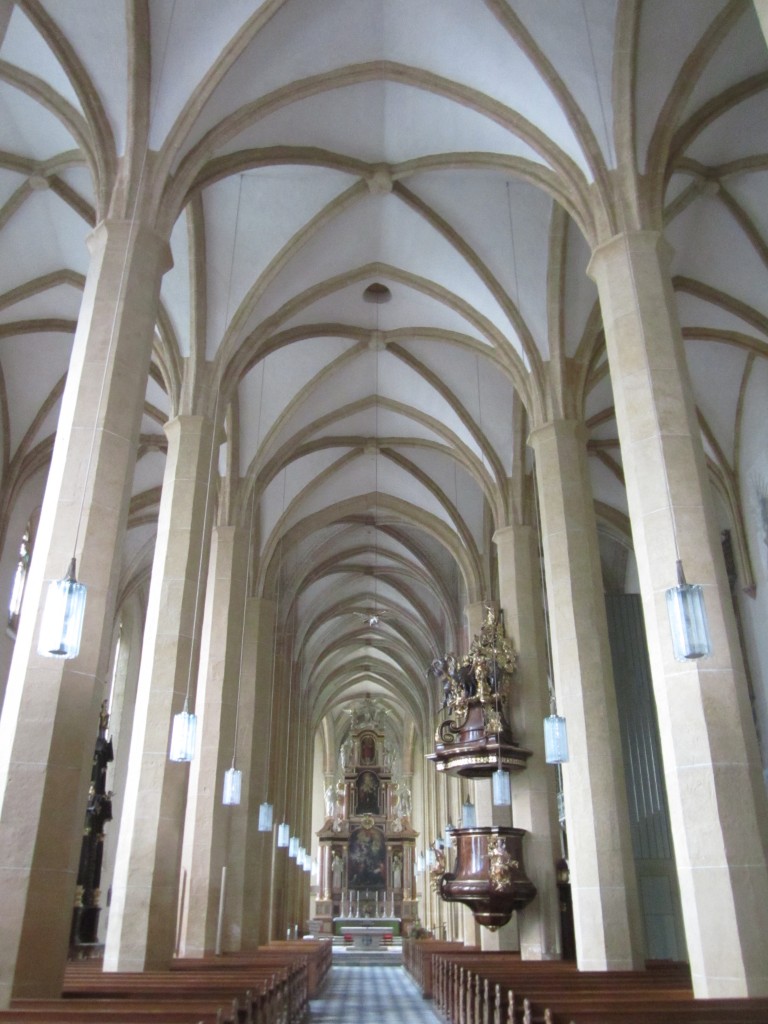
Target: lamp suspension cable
{"x":300,"y":790}
{"x":501,"y":790}
{"x":283,"y":829}
{"x":555,"y":730}
{"x":512,"y":246}
{"x":266,"y":810}
{"x":61,"y":624}
{"x":184,"y":730}
{"x":233,"y":777}
{"x":686,"y":608}
{"x":373,"y":620}
{"x":295,"y":840}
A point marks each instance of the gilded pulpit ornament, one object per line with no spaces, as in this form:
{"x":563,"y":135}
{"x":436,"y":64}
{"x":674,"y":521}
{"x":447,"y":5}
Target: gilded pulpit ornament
{"x":437,"y":870}
{"x":501,"y":865}
{"x":475,"y":739}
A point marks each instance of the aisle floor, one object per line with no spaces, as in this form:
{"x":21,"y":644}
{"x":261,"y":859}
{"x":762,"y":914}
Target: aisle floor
{"x":384,"y":995}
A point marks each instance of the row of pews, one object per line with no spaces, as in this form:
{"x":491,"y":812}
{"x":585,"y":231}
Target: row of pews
{"x":271,"y":985}
{"x":470,"y":986}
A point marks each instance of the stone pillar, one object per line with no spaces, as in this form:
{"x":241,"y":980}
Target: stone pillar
{"x":606,"y":910}
{"x":51,"y":706}
{"x":145,"y":890}
{"x":474,"y":616}
{"x":711,"y":762}
{"x":126,"y":676}
{"x":533,"y":790}
{"x":213,"y":833}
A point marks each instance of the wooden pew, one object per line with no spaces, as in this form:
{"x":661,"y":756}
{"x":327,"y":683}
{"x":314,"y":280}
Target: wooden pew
{"x":124,"y":1011}
{"x":276,"y":987}
{"x":499,"y":988}
{"x":288,"y":971}
{"x":417,"y":959}
{"x":271,"y":985}
{"x":692,"y":1011}
{"x":319,"y":955}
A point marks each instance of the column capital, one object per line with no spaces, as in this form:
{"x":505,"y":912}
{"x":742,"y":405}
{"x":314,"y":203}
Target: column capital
{"x":505,"y":534}
{"x":637,"y":243}
{"x":559,"y":428}
{"x":183,"y":424}
{"x":126,"y":232}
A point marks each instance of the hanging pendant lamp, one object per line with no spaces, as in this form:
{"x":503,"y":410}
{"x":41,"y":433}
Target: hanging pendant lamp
{"x":283,"y":834}
{"x":555,"y":739}
{"x":501,"y":789}
{"x":265,"y":817}
{"x":183,"y":735}
{"x":233,"y":784}
{"x":61,"y":627}
{"x":688,"y":619}
{"x":468,"y":814}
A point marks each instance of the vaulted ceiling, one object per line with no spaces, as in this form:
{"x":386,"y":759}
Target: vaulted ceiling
{"x":463,"y":157}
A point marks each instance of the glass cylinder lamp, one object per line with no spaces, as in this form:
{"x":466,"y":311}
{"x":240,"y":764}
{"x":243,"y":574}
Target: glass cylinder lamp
{"x":555,"y":740}
{"x":233,"y":784}
{"x":468,"y":814}
{"x":62,"y":624}
{"x":265,"y":817}
{"x":283,"y":834}
{"x":183,"y":735}
{"x":293,"y":847}
{"x":448,"y":836}
{"x":688,"y":619}
{"x":501,"y":794}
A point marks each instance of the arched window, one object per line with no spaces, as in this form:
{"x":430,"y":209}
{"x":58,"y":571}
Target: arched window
{"x":19,"y":580}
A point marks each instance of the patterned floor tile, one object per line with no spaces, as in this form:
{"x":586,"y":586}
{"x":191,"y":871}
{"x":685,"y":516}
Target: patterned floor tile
{"x":384,"y":995}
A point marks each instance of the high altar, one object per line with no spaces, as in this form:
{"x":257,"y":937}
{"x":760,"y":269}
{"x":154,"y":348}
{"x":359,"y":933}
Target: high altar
{"x":367,"y":845}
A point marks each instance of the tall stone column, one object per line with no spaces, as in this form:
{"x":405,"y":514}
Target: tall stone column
{"x":533,"y":790}
{"x":711,"y":762}
{"x":605,"y":903}
{"x":51,"y":706}
{"x":213,"y":833}
{"x":142,"y":922}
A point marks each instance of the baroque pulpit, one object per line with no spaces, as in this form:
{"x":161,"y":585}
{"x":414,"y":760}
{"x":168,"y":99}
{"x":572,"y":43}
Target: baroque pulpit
{"x":475,"y":740}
